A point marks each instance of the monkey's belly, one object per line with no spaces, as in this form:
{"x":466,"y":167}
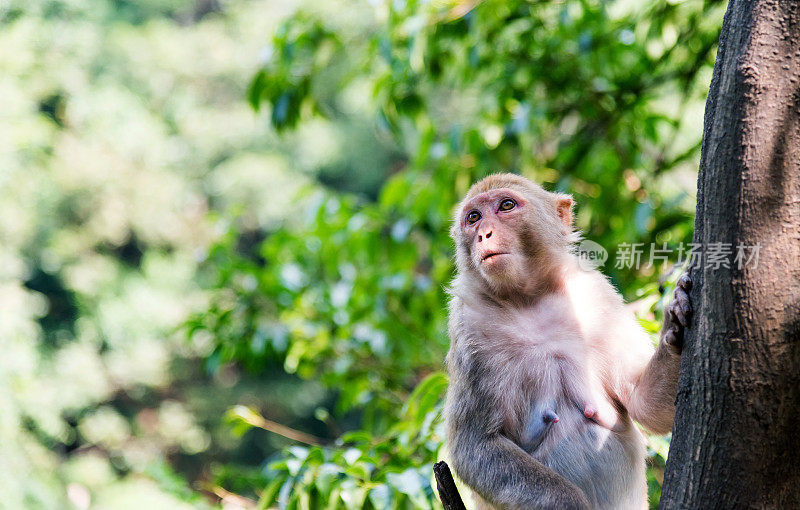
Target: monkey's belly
{"x":608,"y":466}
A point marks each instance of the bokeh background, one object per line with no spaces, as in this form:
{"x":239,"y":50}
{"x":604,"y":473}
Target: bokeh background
{"x":223,"y":225}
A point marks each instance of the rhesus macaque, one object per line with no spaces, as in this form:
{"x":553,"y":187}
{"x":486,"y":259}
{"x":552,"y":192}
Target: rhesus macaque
{"x":548,"y":369}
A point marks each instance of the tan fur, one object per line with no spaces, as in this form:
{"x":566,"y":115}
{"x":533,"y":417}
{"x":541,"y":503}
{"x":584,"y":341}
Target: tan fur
{"x":529,"y":326}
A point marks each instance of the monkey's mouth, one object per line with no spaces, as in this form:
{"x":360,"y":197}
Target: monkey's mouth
{"x":490,"y":256}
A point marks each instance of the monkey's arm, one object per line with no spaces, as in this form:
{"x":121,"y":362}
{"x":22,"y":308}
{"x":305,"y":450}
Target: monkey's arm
{"x":496,"y":468}
{"x":652,"y":401}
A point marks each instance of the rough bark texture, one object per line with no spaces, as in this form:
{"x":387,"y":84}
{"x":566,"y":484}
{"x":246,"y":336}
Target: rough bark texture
{"x":736,"y":439}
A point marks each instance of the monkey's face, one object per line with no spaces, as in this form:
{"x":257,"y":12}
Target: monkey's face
{"x":494,"y":234}
{"x":512,"y":234}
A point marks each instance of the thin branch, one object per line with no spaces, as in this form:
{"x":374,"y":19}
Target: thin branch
{"x":289,"y":433}
{"x":231,"y":498}
{"x":256,"y":420}
{"x":448,"y":492}
{"x":460,"y":10}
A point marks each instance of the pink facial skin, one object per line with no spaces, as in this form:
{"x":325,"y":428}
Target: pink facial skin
{"x":493,"y":234}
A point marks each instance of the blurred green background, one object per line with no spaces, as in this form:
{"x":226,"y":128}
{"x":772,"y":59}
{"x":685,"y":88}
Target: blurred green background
{"x":224,"y":222}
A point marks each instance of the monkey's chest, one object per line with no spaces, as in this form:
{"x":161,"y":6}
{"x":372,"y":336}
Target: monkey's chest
{"x":544,"y":385}
{"x":539,"y":357}
{"x":537,"y":363}
{"x":541,"y":380}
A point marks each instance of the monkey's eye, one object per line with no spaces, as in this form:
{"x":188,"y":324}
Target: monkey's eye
{"x":473,"y":216}
{"x":507,"y":204}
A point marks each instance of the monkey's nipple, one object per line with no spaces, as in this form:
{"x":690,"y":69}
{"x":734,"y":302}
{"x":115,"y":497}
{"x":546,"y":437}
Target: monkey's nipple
{"x":550,"y":417}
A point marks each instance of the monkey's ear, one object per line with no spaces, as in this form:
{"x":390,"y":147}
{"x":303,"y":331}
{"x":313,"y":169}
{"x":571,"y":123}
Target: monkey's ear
{"x":564,"y":205}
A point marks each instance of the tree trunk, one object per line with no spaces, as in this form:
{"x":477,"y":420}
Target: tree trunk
{"x":736,"y":438}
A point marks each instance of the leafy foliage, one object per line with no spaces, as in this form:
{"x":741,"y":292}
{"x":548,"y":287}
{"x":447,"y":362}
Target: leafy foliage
{"x":599,"y":99}
{"x":307,"y":253}
{"x":116,"y":140}
{"x":392,"y":470}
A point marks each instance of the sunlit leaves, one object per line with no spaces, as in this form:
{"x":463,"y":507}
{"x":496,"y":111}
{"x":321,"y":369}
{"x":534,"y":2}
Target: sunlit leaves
{"x":599,"y":99}
{"x":353,"y":296}
{"x":301,"y":50}
{"x":392,"y":470}
{"x":584,"y":88}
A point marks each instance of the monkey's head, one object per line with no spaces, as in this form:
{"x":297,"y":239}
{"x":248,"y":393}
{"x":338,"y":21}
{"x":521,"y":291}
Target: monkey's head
{"x":511,"y":232}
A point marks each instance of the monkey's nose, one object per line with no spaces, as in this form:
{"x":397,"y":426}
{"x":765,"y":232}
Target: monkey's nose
{"x":488,"y":234}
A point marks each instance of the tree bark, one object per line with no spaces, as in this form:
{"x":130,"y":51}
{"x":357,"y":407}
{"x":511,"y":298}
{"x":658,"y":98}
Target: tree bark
{"x":736,"y":438}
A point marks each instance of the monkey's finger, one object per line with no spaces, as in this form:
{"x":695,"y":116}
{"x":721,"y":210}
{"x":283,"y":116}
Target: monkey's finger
{"x":683,"y":302}
{"x":676,"y":315}
{"x":672,"y":338}
{"x":685,"y":282}
{"x":669,"y":337}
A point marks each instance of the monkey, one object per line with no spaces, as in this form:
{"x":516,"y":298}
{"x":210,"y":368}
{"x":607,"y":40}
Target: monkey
{"x":548,"y":369}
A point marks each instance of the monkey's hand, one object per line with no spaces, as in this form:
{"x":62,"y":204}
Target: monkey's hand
{"x":678,"y":314}
{"x":652,"y":402}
